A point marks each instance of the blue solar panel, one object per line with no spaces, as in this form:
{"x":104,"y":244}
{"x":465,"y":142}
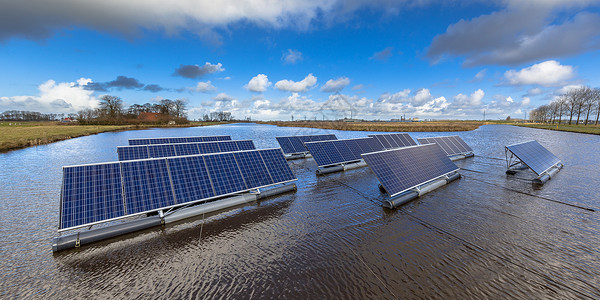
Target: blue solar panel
{"x":147,"y":185}
{"x":177,"y":140}
{"x":190,"y":179}
{"x":277,"y":165}
{"x":334,"y":152}
{"x":253,"y":169}
{"x":132,"y":152}
{"x":228,"y":146}
{"x":534,"y":155}
{"x":402,"y":169}
{"x":186,"y":149}
{"x":100,"y":192}
{"x":394,"y":140}
{"x":209,"y":147}
{"x":225,"y":174}
{"x":452,"y":145}
{"x":285,"y":144}
{"x":343,"y":147}
{"x":295,"y":144}
{"x":91,"y":194}
{"x":162,"y":150}
{"x":245,"y":145}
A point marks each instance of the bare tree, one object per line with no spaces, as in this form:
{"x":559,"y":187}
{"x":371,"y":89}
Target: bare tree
{"x":561,"y":102}
{"x":179,"y":108}
{"x":588,"y":103}
{"x":596,"y":96}
{"x":571,"y":104}
{"x":553,"y":111}
{"x":111,"y":105}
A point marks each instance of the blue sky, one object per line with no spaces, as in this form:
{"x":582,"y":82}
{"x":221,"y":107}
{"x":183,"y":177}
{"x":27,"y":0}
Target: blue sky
{"x":308,"y":59}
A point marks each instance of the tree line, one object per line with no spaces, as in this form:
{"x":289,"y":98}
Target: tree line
{"x":22,"y":115}
{"x":581,"y":104}
{"x":113,"y":111}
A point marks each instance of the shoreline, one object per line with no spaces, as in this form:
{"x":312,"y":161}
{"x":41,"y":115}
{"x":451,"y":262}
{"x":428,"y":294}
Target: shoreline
{"x":27,"y":134}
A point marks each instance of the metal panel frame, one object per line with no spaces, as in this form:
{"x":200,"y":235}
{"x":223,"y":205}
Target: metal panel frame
{"x":198,"y":144}
{"x":509,"y":164}
{"x":453,"y":139}
{"x":166,"y":139}
{"x":415,"y":186}
{"x":303,"y":139}
{"x":333,"y":144}
{"x":167,"y":207}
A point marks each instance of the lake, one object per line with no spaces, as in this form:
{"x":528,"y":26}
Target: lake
{"x":488,"y":235}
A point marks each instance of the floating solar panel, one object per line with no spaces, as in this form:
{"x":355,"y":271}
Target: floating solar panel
{"x":178,"y":140}
{"x":295,"y":144}
{"x":402,"y":169}
{"x":394,"y":140}
{"x":98,"y":193}
{"x":328,"y":153}
{"x":452,"y":145}
{"x":534,"y":156}
{"x":168,"y":150}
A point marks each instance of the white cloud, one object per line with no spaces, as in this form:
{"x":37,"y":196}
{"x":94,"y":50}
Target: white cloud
{"x":64,"y":97}
{"x":204,"y":87}
{"x":258,"y":83}
{"x":548,"y":73}
{"x":479,"y":76}
{"x":358,"y":87}
{"x":567,"y":88}
{"x":335,"y":85}
{"x":522,"y":32}
{"x":291,"y":56}
{"x":534,"y":92}
{"x":297,"y":87}
{"x":473,"y":100}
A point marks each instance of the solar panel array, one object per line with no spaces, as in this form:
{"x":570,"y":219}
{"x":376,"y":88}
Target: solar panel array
{"x":166,"y":150}
{"x":178,"y":140}
{"x":100,"y":192}
{"x":335,"y":152}
{"x":534,"y":155}
{"x":452,"y":145}
{"x":394,"y":140}
{"x":295,"y":144}
{"x":402,"y":169}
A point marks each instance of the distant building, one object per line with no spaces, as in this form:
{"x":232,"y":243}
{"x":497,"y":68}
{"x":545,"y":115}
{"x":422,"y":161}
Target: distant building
{"x":149,"y":116}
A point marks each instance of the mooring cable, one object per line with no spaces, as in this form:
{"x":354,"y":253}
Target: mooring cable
{"x":532,"y":195}
{"x":427,"y":224}
{"x":508,"y":260}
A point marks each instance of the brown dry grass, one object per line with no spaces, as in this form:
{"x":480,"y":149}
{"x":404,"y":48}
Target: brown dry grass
{"x":386,"y":126}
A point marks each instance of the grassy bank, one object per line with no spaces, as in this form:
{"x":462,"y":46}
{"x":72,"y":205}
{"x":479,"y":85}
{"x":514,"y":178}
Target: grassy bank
{"x":589,"y":129}
{"x":386,"y":126}
{"x":24,"y":134}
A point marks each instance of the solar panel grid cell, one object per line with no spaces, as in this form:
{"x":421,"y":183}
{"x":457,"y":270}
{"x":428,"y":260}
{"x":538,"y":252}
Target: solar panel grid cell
{"x":225,"y":174}
{"x":405,"y":168}
{"x":228,"y":146}
{"x":190,"y":179}
{"x":90,"y":194}
{"x":245,"y":145}
{"x":277,"y":166}
{"x":162,"y":150}
{"x":186,"y":149}
{"x":253,"y":169}
{"x":147,"y":185}
{"x":535,"y":156}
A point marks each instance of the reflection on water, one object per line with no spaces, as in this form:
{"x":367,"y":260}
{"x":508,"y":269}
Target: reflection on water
{"x":475,"y":238}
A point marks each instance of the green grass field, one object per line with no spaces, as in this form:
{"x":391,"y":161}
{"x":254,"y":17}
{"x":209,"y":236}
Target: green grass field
{"x":16,"y":135}
{"x":589,"y":129}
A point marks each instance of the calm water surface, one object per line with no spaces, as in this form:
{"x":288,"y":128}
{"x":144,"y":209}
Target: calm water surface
{"x":475,"y":238}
